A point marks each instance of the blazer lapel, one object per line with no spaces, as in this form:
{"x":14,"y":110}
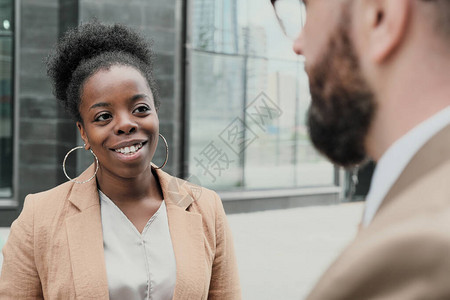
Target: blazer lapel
{"x":423,"y":181}
{"x":85,"y":238}
{"x":187,"y":238}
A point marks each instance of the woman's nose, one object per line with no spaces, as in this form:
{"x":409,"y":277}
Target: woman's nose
{"x":125,"y":125}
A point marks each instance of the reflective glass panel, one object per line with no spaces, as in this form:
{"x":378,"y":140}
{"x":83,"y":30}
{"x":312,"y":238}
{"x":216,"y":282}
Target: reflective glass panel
{"x":248,"y":97}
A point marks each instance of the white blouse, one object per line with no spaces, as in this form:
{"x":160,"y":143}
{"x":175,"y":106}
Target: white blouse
{"x":138,"y":266}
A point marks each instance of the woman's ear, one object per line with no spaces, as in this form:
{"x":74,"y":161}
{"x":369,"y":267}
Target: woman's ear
{"x":83,"y":134}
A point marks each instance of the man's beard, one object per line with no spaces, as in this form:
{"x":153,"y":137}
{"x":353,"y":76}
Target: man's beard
{"x":342,"y":105}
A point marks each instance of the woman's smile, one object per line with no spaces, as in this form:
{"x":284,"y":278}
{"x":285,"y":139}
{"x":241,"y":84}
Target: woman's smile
{"x":129,"y":150}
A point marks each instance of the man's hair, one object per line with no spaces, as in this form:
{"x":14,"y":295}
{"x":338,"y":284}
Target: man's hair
{"x":91,"y":47}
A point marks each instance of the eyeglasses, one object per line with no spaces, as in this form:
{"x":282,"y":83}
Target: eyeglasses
{"x":291,"y":15}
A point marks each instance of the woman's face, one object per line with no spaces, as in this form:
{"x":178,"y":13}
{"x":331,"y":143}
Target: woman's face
{"x":120,"y":123}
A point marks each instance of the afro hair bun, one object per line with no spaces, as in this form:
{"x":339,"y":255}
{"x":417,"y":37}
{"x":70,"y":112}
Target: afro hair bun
{"x":87,"y":41}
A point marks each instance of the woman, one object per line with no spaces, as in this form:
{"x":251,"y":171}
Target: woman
{"x":123,"y":229}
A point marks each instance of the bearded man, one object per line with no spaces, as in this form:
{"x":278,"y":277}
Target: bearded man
{"x":379,"y":75}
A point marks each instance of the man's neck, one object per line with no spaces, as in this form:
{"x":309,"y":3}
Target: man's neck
{"x":411,"y":94}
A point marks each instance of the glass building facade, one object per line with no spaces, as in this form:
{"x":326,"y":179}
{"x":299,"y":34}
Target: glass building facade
{"x":248,"y":96}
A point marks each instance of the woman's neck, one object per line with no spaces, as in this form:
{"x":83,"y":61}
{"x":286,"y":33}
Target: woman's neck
{"x":119,"y":189}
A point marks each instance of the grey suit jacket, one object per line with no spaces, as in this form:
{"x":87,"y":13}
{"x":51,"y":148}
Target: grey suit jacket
{"x":404,"y":253}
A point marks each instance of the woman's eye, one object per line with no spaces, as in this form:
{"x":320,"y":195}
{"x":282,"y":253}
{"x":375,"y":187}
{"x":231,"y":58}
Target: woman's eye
{"x":103,"y":117}
{"x":142,"y":109}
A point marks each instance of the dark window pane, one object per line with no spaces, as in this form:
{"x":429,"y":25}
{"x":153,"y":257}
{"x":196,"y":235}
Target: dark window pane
{"x":6,"y":98}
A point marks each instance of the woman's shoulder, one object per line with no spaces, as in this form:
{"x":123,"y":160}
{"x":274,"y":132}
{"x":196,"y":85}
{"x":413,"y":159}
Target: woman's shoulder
{"x":198,"y":192}
{"x":186,"y":193}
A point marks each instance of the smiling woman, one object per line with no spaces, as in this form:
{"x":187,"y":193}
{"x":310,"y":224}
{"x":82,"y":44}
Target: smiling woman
{"x":134,"y":232}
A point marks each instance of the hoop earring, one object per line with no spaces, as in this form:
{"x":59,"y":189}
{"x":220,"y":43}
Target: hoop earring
{"x":167,"y":153}
{"x":64,"y":165}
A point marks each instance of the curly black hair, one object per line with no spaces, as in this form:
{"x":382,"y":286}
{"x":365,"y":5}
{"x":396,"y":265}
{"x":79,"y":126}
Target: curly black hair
{"x":90,"y":47}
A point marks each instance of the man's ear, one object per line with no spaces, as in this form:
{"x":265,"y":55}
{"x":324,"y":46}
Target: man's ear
{"x":83,"y":135}
{"x":388,"y":20}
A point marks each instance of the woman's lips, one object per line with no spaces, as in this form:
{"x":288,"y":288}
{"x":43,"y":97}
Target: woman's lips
{"x":130,"y":151}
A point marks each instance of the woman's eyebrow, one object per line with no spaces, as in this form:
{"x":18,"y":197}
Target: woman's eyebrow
{"x":100,"y":104}
{"x":105,"y":104}
{"x":139,"y":96}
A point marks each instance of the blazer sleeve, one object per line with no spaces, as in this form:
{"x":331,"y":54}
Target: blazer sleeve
{"x":225,"y":277}
{"x":19,"y":278}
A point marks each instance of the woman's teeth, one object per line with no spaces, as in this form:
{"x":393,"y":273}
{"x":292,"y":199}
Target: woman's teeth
{"x":129,"y":150}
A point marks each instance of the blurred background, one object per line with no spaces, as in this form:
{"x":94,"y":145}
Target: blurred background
{"x":234,"y":98}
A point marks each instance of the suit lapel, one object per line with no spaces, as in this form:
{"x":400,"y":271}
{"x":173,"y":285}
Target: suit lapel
{"x":187,"y":238}
{"x":419,"y":181}
{"x":85,"y":238}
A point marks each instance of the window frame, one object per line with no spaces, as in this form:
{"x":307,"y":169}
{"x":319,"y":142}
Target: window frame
{"x":13,"y":201}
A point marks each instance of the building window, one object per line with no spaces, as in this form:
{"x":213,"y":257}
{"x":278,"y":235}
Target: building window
{"x":248,"y":96}
{"x":6,"y":96}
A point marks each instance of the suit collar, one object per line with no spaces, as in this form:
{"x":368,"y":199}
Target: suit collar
{"x":186,"y":231}
{"x":425,"y":163}
{"x":85,"y":238}
{"x":85,"y":195}
{"x":176,"y":191}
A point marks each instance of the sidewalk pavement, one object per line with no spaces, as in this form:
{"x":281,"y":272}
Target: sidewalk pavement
{"x":281,"y":253}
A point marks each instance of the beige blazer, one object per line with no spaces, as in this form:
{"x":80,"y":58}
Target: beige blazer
{"x":404,"y":253}
{"x":55,"y":247}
